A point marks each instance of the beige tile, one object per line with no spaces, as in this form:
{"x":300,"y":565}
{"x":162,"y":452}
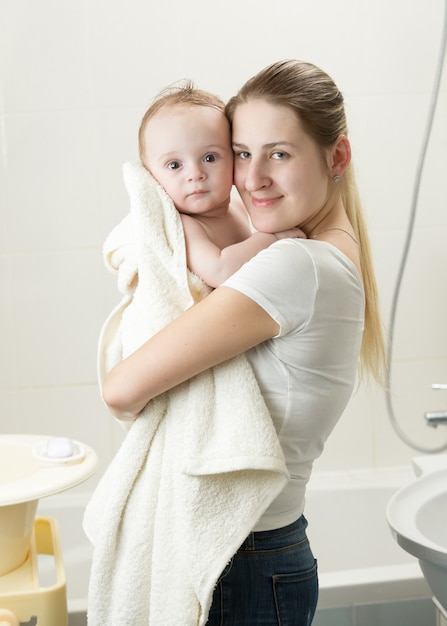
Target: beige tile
{"x":8,"y":328}
{"x":58,"y":312}
{"x":420,"y":328}
{"x":411,"y":397}
{"x":44,"y":55}
{"x":53,"y":199}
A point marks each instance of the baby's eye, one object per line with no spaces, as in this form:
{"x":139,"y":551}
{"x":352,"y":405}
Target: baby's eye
{"x":173,"y":165}
{"x":210,"y":158}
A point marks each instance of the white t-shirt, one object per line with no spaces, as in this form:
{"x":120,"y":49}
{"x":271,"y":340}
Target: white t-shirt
{"x":307,"y":372}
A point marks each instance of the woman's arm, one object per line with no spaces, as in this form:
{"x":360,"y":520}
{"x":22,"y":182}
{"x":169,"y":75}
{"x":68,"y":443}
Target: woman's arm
{"x":226,"y":323}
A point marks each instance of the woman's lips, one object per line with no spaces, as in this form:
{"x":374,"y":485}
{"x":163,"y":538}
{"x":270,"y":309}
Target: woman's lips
{"x":262,"y":203}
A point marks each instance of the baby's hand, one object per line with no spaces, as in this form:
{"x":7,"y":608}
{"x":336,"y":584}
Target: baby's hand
{"x":296,"y":233}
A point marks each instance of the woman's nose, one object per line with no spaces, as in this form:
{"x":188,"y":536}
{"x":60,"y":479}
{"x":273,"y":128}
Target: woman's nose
{"x":256,"y":176}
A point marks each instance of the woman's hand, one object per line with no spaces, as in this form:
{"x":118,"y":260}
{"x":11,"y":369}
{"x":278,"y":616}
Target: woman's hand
{"x":295,"y":233}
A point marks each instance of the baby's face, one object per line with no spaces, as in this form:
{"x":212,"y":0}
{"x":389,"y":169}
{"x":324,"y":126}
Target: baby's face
{"x":188,"y":151}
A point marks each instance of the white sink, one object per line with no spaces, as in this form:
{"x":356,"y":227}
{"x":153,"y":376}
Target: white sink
{"x":417,"y":515}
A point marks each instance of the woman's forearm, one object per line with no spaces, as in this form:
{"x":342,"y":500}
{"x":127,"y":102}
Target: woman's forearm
{"x":223,"y":325}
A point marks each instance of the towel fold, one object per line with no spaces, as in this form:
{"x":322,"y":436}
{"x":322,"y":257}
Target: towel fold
{"x":199,"y":466}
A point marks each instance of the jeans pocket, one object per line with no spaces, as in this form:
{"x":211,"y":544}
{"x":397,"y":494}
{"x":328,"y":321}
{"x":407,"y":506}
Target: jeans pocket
{"x":296,"y":597}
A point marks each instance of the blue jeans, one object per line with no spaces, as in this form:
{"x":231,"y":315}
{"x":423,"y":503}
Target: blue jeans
{"x":271,"y":581}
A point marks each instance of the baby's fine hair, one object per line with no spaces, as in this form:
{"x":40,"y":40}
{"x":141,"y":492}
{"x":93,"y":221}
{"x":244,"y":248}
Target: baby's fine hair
{"x":183,"y":93}
{"x":319,"y":106}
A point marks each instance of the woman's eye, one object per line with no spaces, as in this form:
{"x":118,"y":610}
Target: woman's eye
{"x":173,"y":165}
{"x":279,"y":155}
{"x":242,"y":155}
{"x":209,"y":158}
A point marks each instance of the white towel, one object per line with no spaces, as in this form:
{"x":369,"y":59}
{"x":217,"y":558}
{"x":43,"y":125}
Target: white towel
{"x":201,"y":463}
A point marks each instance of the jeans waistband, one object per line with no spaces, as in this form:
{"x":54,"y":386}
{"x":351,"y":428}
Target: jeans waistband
{"x":254,"y":539}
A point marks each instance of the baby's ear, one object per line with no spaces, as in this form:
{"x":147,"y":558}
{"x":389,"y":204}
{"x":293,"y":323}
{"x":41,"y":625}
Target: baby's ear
{"x":340,"y":156}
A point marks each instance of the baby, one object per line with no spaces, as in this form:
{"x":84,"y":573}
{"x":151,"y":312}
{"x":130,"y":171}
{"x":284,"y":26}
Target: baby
{"x":185,"y":143}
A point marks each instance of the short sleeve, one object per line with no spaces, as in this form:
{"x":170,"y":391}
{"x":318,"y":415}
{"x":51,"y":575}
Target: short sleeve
{"x":282,"y":279}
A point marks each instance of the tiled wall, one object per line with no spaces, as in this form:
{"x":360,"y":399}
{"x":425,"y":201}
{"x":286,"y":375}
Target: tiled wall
{"x":75,"y":79}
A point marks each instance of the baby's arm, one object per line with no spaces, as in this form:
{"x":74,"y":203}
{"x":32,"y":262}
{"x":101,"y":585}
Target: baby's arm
{"x":214,"y":265}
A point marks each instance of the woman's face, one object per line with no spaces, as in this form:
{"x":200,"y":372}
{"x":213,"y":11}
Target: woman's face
{"x":279,"y":170}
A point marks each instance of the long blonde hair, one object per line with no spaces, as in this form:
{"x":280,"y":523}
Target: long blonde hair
{"x":318,"y":104}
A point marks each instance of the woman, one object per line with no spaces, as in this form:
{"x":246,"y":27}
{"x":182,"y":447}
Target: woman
{"x":303,"y":310}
